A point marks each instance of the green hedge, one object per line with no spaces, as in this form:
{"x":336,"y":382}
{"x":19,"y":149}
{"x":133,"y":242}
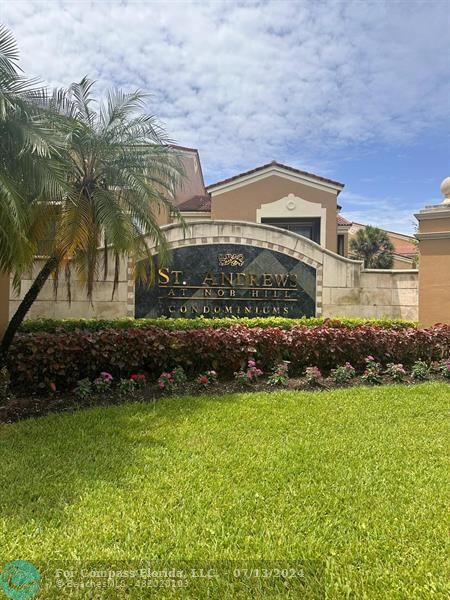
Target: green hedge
{"x":55,"y":325}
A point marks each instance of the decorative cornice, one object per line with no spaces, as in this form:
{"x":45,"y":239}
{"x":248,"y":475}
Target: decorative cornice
{"x":267,"y":171}
{"x":436,"y":211}
{"x":433,"y":235}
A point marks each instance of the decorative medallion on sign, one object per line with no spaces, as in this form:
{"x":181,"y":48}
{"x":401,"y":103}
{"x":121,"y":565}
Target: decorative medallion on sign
{"x":230,"y":260}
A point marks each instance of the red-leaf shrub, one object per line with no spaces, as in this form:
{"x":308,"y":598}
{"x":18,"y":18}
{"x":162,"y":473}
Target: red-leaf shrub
{"x":38,"y":359}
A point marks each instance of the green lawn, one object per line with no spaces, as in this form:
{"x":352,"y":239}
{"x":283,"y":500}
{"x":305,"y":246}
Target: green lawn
{"x":350,"y":484}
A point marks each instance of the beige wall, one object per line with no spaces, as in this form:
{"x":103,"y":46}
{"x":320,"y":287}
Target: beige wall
{"x":103,"y":306}
{"x":193,"y":184}
{"x":434,"y":281}
{"x":162,"y":216}
{"x":402,"y":263}
{"x":434,"y":264}
{"x":241,"y":204}
{"x":434,"y":225}
{"x":376,"y":293}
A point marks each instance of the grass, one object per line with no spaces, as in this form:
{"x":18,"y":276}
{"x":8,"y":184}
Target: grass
{"x":355,"y":480}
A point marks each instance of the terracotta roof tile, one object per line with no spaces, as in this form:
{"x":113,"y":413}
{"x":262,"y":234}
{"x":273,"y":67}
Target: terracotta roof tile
{"x":196,"y":203}
{"x":342,"y":220}
{"x":404,"y":248}
{"x":277,"y":164}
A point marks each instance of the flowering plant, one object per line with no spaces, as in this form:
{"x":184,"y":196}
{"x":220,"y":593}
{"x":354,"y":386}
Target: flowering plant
{"x":396,"y":372}
{"x":165,"y":381}
{"x":103,"y":383}
{"x":313,"y":376}
{"x":206,"y":379}
{"x":279,"y":374}
{"x":343,"y":374}
{"x":373,"y":372}
{"x":169,"y":381}
{"x":250,"y":376}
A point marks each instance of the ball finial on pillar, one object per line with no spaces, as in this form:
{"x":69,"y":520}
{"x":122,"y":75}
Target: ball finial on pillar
{"x":445,"y":189}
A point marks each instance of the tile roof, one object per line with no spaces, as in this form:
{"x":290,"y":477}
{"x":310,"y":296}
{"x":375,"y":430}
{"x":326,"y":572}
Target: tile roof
{"x":342,"y":220}
{"x":274,"y":163}
{"x":196,"y":203}
{"x":404,"y":248}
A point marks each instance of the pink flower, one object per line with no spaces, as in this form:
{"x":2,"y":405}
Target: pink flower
{"x":251,"y":363}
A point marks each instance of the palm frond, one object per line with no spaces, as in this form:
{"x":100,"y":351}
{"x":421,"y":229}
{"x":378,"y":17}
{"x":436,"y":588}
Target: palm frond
{"x":9,"y":52}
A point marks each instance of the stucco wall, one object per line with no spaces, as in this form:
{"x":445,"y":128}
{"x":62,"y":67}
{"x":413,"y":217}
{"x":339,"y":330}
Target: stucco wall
{"x":401,"y":262}
{"x":376,"y":293}
{"x":241,"y":204}
{"x":344,"y":288}
{"x":103,"y":304}
{"x":434,"y":281}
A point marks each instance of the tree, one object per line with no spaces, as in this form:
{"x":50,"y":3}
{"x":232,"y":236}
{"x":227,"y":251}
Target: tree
{"x":373,"y":246}
{"x":120,"y":171}
{"x":27,"y":144}
{"x":27,"y":173}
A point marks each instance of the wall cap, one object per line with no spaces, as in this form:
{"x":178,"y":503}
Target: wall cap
{"x":392,"y":271}
{"x":290,"y":234}
{"x":433,"y":211}
{"x":433,"y":235}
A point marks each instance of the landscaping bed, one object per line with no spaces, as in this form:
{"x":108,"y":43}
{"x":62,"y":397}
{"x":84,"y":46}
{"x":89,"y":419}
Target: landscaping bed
{"x":109,"y":392}
{"x":58,"y":366}
{"x":42,"y":361}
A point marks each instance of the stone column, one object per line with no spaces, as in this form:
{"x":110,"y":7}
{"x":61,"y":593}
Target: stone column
{"x":4,"y":301}
{"x":434,"y":260}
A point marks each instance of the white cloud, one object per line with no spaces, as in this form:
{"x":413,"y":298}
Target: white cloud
{"x":385,"y":212}
{"x":247,"y":82}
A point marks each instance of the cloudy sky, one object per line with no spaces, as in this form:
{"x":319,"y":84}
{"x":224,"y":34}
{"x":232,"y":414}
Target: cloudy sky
{"x":357,"y":91}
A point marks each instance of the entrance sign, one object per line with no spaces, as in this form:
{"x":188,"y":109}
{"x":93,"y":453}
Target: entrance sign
{"x":229,"y":280}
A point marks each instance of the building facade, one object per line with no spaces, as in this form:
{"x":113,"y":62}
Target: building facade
{"x":282,"y":196}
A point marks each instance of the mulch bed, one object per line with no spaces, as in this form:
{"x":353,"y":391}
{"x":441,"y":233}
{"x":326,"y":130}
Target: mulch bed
{"x":20,"y":406}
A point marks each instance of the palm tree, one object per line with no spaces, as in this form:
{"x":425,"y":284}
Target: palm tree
{"x":26,"y":145}
{"x":27,"y":173}
{"x":373,"y":246}
{"x":120,"y":171}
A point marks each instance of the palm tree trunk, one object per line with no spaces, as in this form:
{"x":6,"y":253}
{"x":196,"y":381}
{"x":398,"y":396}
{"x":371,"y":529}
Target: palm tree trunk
{"x":22,"y":310}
